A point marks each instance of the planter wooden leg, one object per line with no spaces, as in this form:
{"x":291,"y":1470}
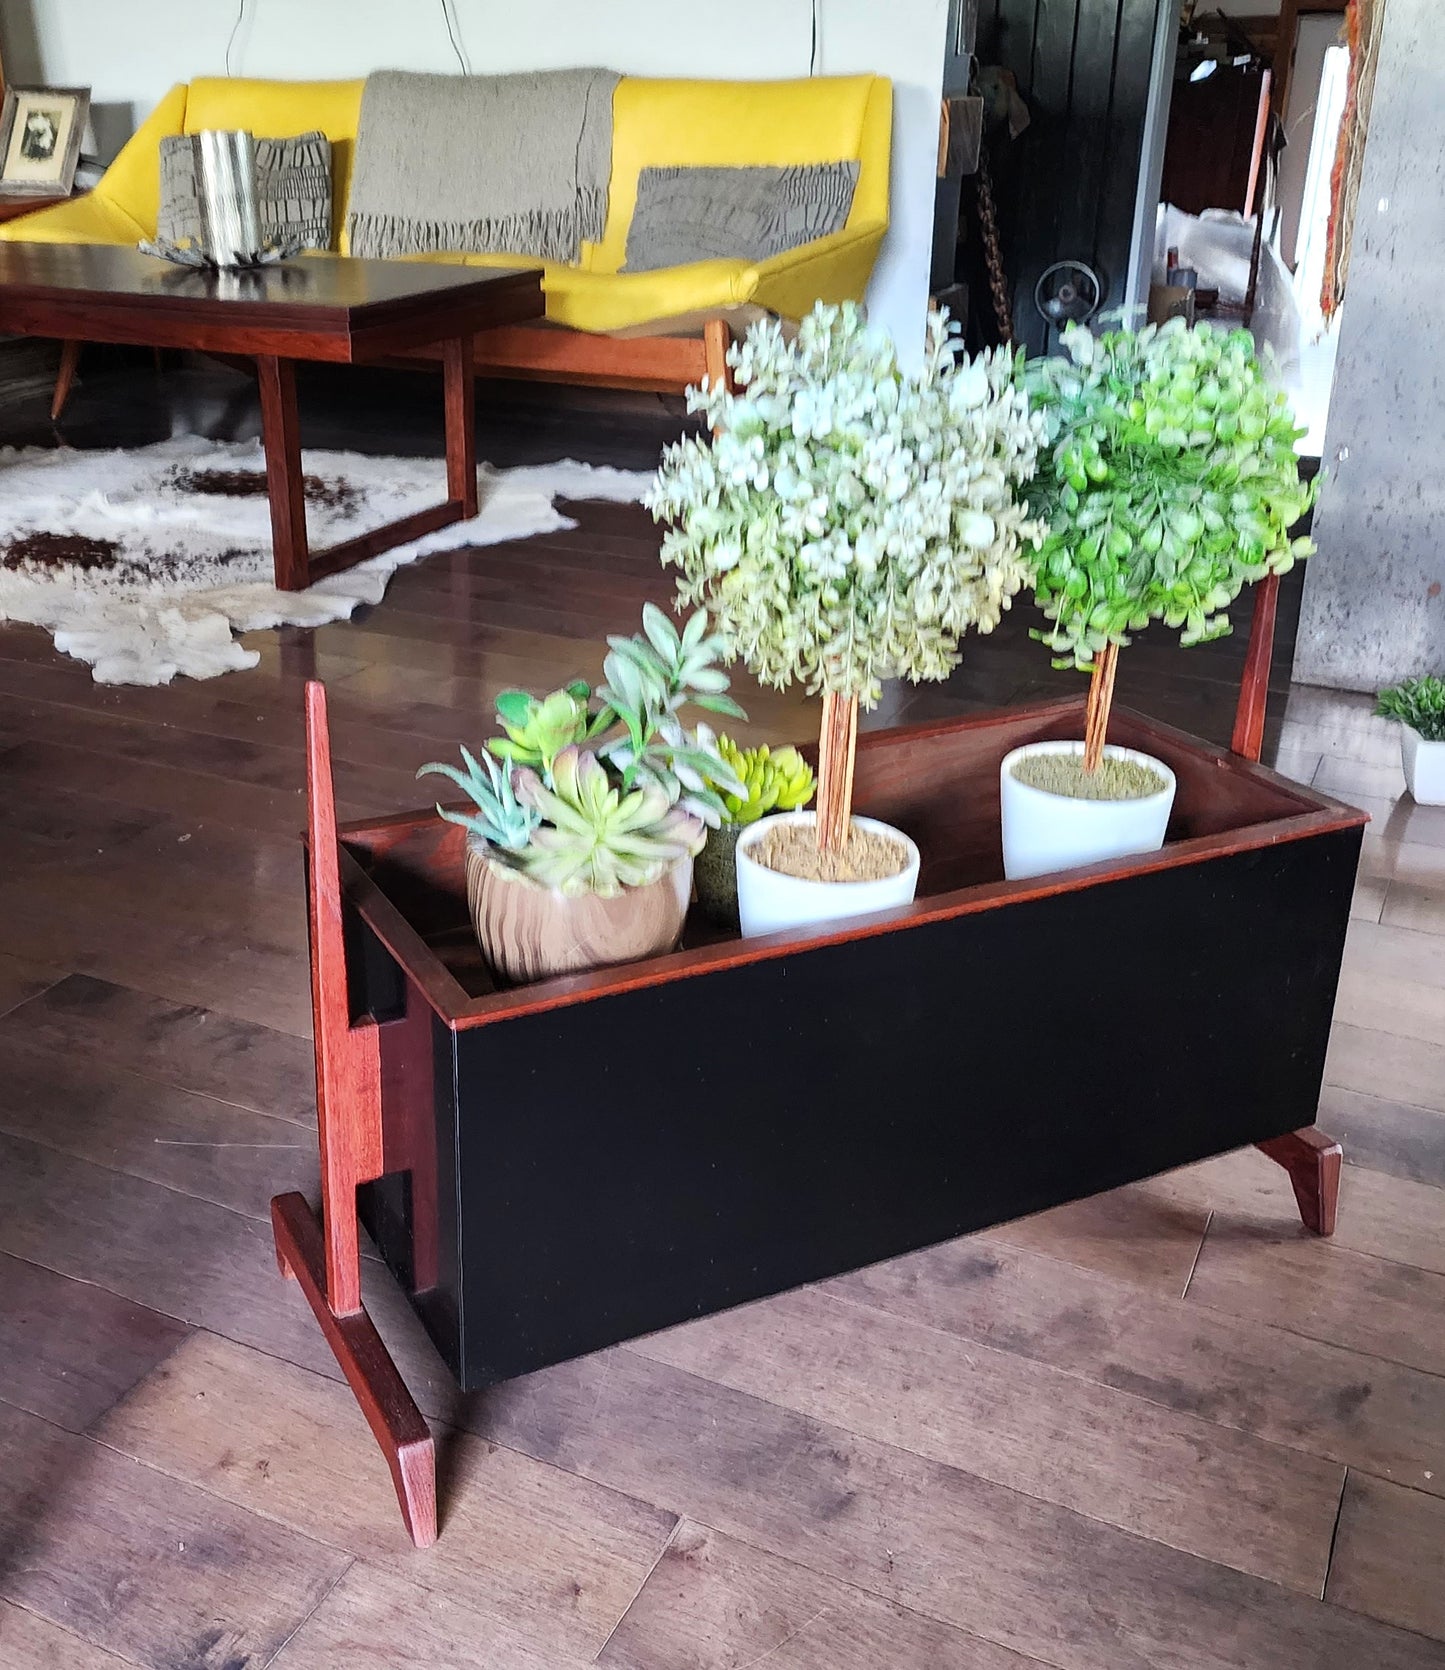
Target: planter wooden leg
{"x":1248,"y":738}
{"x":324,"y":1258}
{"x":392,"y":1415}
{"x":1313,"y":1162}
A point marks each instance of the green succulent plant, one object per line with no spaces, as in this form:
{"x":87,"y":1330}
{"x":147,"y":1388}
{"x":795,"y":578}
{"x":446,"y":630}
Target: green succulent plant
{"x":501,"y":819}
{"x":539,"y":729}
{"x":648,"y":679}
{"x":1418,"y":703}
{"x":595,"y":837}
{"x":594,"y":791}
{"x":1169,"y":482}
{"x":774,"y":780}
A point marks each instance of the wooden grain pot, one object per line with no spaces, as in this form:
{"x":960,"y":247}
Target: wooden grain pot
{"x":529,"y":932}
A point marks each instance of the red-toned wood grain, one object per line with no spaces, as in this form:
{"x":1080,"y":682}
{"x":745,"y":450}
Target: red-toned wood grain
{"x":338,"y":309}
{"x":1313,"y":1161}
{"x":391,"y":1412}
{"x":1248,"y":738}
{"x":459,"y":392}
{"x":938,"y":782}
{"x":348,"y":1057}
{"x":553,"y":354}
{"x":281,"y":432}
{"x":325,"y":1259}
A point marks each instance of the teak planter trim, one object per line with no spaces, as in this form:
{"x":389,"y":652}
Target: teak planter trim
{"x":1303,"y":813}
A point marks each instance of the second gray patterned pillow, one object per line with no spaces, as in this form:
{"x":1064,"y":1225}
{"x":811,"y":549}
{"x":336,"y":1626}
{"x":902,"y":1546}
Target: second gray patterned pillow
{"x":747,"y":214}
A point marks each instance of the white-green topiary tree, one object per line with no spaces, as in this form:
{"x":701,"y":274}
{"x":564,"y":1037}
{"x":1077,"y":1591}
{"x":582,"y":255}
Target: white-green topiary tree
{"x":848,"y":521}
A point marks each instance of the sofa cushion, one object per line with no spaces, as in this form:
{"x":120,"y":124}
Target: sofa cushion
{"x":293,"y":187}
{"x":733,"y":124}
{"x":278,"y":109}
{"x":750,"y":214}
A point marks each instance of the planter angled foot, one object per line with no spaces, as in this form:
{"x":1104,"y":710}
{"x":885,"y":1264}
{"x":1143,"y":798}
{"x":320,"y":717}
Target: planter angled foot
{"x":390,"y":1411}
{"x":1313,"y":1162}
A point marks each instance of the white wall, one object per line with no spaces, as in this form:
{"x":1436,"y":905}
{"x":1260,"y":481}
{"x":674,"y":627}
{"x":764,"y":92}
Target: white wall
{"x":1315,"y":37}
{"x":1374,"y":599}
{"x":130,"y":51}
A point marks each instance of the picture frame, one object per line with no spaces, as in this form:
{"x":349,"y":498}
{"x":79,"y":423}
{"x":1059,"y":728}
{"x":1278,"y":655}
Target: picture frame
{"x":40,"y":133}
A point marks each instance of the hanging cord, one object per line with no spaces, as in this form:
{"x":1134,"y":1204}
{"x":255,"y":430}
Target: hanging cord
{"x":235,"y":30}
{"x":454,"y":35}
{"x":813,"y":46}
{"x":992,"y":253}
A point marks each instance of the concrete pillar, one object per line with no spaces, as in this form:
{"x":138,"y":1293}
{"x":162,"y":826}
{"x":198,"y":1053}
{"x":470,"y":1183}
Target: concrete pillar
{"x":1374,"y":597}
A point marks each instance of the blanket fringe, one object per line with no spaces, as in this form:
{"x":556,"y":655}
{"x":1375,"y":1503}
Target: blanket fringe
{"x":549,"y":235}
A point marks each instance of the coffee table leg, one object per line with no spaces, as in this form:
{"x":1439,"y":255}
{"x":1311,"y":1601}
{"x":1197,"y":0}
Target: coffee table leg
{"x":460,"y":385}
{"x":281,"y":433}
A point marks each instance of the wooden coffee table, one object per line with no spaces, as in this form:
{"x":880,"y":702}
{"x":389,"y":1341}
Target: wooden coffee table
{"x":328,"y":308}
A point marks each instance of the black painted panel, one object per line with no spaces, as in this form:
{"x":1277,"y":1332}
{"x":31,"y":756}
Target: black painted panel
{"x":1066,"y":187}
{"x":633,"y":1161}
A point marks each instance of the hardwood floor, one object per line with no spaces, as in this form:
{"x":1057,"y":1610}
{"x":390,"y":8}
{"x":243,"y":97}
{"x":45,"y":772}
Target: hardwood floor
{"x":1159,"y":1428}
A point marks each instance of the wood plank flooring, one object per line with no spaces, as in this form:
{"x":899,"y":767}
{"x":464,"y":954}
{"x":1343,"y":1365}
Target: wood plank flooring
{"x":1162,"y":1428}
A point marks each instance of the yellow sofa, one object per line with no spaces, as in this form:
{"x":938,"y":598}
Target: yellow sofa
{"x":633,"y":329}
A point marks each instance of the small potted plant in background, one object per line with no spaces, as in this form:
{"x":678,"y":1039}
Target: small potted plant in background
{"x":847,"y":521}
{"x":774,"y":780}
{"x":592,"y":805}
{"x":1168,"y":483}
{"x":1419,"y":705}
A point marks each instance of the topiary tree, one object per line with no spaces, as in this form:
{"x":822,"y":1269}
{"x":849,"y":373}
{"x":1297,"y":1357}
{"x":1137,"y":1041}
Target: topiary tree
{"x":848,"y":521}
{"x":1169,"y":482}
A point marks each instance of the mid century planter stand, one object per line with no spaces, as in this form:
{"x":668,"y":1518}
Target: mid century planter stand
{"x":932,"y":1070}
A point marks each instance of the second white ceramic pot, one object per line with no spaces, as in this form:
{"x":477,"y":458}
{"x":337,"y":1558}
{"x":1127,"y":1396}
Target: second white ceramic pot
{"x":1424,"y":764}
{"x":1044,"y":831}
{"x":769,"y":901}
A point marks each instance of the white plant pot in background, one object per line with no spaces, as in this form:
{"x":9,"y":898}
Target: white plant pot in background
{"x":1043,"y":831}
{"x":768,"y":900}
{"x":1424,"y":764}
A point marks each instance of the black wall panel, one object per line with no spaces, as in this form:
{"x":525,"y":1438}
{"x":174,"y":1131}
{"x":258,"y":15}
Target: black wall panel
{"x":1066,"y":187}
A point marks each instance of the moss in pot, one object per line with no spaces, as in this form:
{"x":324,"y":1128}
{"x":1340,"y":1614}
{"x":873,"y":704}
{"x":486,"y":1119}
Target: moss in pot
{"x":1169,"y":482}
{"x":847,"y":521}
{"x":591,"y":807}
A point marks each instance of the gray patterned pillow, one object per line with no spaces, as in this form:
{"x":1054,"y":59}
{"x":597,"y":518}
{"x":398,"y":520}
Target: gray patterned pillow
{"x":748,"y":214}
{"x":293,"y":188}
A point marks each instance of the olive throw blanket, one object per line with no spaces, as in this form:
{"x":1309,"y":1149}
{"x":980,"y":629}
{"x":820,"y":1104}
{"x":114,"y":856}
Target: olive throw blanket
{"x":506,"y":164}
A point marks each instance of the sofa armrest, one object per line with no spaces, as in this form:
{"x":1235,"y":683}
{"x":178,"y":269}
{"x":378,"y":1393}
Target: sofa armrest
{"x":832,"y":269}
{"x":90,"y":219}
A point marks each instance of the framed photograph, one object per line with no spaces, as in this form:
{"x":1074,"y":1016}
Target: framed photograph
{"x":40,"y":129}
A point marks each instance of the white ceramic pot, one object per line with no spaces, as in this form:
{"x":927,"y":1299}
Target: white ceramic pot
{"x":1044,"y":831}
{"x":768,"y":901}
{"x":1424,"y":764}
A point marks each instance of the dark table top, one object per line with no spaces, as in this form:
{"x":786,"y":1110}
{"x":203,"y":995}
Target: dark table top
{"x":342,"y":306}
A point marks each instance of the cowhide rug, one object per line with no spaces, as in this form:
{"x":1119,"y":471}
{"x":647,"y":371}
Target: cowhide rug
{"x":146,"y":563}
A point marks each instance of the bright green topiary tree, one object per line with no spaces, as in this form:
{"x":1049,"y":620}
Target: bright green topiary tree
{"x":1169,"y":482}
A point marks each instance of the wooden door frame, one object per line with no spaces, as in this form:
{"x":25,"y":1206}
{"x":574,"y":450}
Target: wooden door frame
{"x":1290,"y":13}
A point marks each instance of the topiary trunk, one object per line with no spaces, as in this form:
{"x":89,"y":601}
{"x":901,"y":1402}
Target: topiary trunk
{"x":837,"y":746}
{"x":1101,"y":699}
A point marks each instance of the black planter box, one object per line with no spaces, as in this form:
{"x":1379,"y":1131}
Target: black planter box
{"x":581,"y":1161}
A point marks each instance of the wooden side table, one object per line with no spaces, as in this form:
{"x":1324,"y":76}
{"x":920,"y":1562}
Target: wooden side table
{"x":11,"y":208}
